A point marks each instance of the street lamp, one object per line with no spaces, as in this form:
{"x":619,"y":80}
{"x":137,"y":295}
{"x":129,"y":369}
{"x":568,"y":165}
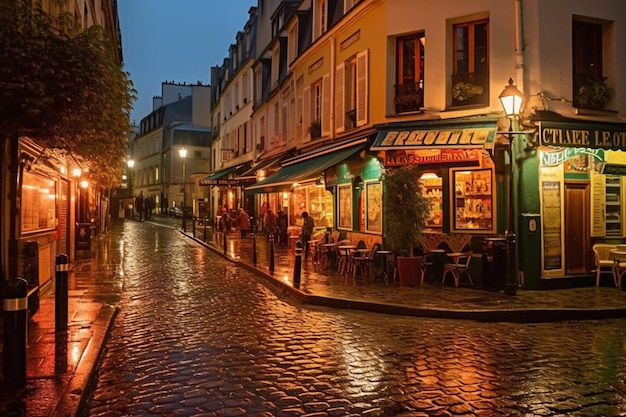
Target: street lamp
{"x":511,"y":99}
{"x":183,"y":154}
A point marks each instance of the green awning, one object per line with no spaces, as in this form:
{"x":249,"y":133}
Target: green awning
{"x":299,"y":170}
{"x":217,"y":178}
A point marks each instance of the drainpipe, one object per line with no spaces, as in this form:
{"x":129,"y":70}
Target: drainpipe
{"x":332,"y":41}
{"x":519,"y":45}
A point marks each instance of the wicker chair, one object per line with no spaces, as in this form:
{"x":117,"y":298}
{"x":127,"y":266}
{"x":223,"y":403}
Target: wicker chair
{"x":603,"y":261}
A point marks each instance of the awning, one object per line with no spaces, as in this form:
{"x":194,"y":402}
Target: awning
{"x":265,"y":163}
{"x":217,"y":178}
{"x":304,"y":168}
{"x":435,"y":137}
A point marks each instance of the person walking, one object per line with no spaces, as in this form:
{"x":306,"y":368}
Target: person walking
{"x":282,"y":228}
{"x":308,"y":224}
{"x":243,"y":221}
{"x":270,"y":223}
{"x":139,"y":205}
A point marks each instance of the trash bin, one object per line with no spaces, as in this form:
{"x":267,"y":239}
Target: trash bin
{"x":494,"y":263}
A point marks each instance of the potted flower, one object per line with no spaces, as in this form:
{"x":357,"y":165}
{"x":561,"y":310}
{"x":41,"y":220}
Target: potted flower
{"x":463,"y":91}
{"x":315,"y":129}
{"x":406,"y":211}
{"x":593,"y":93}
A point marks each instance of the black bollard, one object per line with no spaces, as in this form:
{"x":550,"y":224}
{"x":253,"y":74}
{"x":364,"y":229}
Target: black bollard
{"x":193,"y":228}
{"x":15,"y":308}
{"x":204,"y":224}
{"x":254,"y":249}
{"x":61,"y":293}
{"x":272,"y":252}
{"x":298,"y":266}
{"x":224,"y":242}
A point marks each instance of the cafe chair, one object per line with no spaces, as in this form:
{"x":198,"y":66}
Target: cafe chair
{"x":603,"y":261}
{"x":364,"y":263}
{"x":458,"y":268}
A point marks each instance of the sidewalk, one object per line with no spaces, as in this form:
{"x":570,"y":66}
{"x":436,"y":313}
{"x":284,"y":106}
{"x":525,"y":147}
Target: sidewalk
{"x":92,"y":310}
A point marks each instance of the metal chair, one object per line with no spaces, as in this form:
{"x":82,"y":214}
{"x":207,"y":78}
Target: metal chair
{"x":458,"y":268}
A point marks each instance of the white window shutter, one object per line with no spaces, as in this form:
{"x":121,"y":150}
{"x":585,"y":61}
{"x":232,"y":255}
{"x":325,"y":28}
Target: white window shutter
{"x":340,"y":98}
{"x":326,"y":92}
{"x":306,"y":114}
{"x":361,"y":88}
{"x":299,"y":123}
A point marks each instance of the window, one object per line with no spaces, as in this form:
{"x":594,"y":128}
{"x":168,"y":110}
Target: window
{"x":590,"y":90}
{"x":409,"y":94}
{"x":351,"y":92}
{"x":470,"y":81}
{"x":316,"y":104}
{"x":473,"y":207}
{"x":320,"y":18}
{"x":292,"y":40}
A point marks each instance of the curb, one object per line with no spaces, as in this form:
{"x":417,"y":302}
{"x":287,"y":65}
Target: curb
{"x":522,"y":315}
{"x":75,"y":395}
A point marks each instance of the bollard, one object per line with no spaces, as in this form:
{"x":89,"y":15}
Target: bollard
{"x":204,"y":224}
{"x":224,"y":242}
{"x":15,"y":309}
{"x":298,"y":266}
{"x":193,"y":228}
{"x":271,"y":252}
{"x":254,"y":249}
{"x":61,"y":293}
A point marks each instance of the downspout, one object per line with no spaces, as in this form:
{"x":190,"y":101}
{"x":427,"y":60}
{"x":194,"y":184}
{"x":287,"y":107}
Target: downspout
{"x":519,"y":45}
{"x":332,"y":87}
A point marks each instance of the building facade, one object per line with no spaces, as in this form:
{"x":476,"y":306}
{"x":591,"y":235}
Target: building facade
{"x":344,"y":91}
{"x":180,"y":119}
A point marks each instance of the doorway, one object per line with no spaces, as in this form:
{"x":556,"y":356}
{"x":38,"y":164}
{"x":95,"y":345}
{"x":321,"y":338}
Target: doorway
{"x":578,"y":259}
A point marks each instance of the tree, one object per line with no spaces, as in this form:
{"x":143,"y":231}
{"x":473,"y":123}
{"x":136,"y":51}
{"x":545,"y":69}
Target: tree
{"x":406,"y":207}
{"x":62,"y":87}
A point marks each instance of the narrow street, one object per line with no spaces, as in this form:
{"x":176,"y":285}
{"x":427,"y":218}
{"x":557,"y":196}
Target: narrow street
{"x":196,"y":336}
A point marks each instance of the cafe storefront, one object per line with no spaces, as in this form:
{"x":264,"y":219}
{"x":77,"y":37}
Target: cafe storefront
{"x":572,"y":195}
{"x":459,"y":174}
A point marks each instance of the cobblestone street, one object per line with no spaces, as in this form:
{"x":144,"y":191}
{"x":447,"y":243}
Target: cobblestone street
{"x":196,"y":336}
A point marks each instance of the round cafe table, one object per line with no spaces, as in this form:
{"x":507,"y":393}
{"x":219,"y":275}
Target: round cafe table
{"x":388,"y":258}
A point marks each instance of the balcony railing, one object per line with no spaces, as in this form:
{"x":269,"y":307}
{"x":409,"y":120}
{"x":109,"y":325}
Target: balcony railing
{"x":470,"y":89}
{"x":409,"y":97}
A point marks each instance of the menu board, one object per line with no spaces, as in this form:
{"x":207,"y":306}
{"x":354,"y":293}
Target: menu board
{"x":38,"y":205}
{"x":551,"y":223}
{"x":598,"y":201}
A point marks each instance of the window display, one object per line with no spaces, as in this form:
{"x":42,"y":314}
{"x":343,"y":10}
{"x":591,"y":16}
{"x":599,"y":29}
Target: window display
{"x":473,"y":200}
{"x":434,"y":193}
{"x":38,"y":203}
{"x":317,"y":201}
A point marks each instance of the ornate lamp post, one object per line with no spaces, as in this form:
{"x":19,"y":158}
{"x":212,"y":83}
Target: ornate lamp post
{"x":183,"y":154}
{"x":511,"y":99}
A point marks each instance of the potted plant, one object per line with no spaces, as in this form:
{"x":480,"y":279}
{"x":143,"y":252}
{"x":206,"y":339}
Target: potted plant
{"x":406,"y":211}
{"x":593,"y":93}
{"x":464,"y":91}
{"x":315,"y":129}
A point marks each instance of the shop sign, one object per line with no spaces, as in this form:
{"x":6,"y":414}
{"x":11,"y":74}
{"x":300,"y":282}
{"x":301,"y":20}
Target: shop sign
{"x":613,"y":169}
{"x":230,"y":182}
{"x":556,"y":158}
{"x":430,"y":156}
{"x":462,"y":137}
{"x":604,"y":136}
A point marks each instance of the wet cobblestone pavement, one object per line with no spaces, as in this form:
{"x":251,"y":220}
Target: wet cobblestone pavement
{"x":203,"y":335}
{"x":198,"y":337}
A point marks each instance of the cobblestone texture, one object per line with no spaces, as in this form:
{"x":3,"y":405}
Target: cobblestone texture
{"x":196,"y":336}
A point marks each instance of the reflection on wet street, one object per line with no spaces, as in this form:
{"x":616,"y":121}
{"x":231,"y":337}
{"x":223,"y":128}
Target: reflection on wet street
{"x":197,"y":336}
